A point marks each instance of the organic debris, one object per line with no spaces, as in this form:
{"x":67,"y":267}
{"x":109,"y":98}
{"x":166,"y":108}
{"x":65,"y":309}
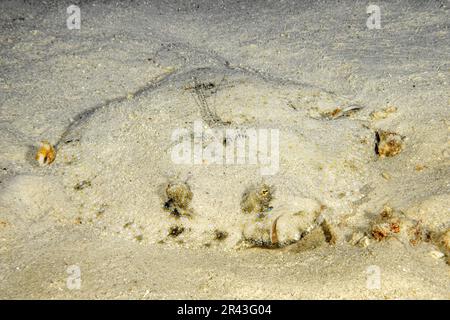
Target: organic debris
{"x":340,"y":112}
{"x":81,"y":185}
{"x":388,"y":144}
{"x":127,"y":225}
{"x":385,"y":225}
{"x":175,"y":231}
{"x":46,"y":154}
{"x":179,"y":196}
{"x":220,"y":235}
{"x":391,"y":223}
{"x":416,"y":233}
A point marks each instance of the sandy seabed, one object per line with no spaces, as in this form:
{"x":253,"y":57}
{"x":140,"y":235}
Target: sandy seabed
{"x":357,"y":205}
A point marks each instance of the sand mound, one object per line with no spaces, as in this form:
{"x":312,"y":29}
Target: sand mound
{"x":115,"y":161}
{"x":179,"y":135}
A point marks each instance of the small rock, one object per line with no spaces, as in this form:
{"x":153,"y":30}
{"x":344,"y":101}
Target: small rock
{"x":383,"y":114}
{"x":386,"y":175}
{"x":436,"y":254}
{"x":365,"y":242}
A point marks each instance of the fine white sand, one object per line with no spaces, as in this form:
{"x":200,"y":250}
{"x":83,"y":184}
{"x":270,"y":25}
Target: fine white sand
{"x":110,"y":96}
